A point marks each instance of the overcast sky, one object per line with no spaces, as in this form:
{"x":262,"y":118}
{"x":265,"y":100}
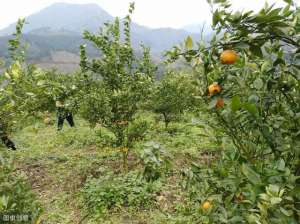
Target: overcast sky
{"x":152,"y":13}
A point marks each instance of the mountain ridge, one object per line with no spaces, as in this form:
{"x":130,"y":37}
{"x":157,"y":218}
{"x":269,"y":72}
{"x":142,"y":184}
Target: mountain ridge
{"x":59,"y":27}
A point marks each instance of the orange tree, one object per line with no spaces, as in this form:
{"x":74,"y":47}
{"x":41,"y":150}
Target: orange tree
{"x":249,"y":75}
{"x":171,"y":96}
{"x":15,"y":194}
{"x":116,"y":82}
{"x":11,"y":91}
{"x":23,"y":86}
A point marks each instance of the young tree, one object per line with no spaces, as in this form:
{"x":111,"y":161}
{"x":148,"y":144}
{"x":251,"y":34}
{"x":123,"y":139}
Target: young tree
{"x":172,"y":96}
{"x":120,"y":83}
{"x":11,"y":91}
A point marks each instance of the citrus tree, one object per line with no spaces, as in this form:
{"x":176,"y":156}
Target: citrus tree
{"x":118,"y":81}
{"x":25,"y":89}
{"x":55,"y":86}
{"x":11,"y":91}
{"x":15,"y":194}
{"x":249,"y":75}
{"x":171,"y":96}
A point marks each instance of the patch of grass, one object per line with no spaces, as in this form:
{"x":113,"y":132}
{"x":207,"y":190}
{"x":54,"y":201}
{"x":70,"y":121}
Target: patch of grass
{"x":59,"y":165}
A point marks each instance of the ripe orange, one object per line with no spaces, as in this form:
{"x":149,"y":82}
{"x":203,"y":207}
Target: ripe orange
{"x":206,"y":205}
{"x":220,"y":103}
{"x":214,"y":89}
{"x":228,"y":57}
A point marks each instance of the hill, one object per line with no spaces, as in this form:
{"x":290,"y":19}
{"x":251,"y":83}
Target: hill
{"x":59,"y":28}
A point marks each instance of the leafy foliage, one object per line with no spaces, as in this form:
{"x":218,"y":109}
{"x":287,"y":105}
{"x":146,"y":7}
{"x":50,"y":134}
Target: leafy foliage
{"x":118,"y":82}
{"x":261,"y":112}
{"x":173,"y":96}
{"x":16,"y":196}
{"x":155,"y":160}
{"x":12,"y":93}
{"x":123,"y":191}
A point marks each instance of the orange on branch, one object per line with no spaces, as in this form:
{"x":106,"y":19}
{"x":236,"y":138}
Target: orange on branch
{"x":228,"y":57}
{"x":206,"y":205}
{"x":220,"y":103}
{"x":214,"y":89}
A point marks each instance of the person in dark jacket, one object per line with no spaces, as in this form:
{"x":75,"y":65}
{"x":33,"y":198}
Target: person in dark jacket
{"x":5,"y":139}
{"x":63,"y":114}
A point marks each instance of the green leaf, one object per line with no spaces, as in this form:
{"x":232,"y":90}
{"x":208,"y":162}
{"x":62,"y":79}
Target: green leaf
{"x":265,"y":66}
{"x":280,"y":165}
{"x":237,"y":219}
{"x":253,"y":218}
{"x":251,"y":175}
{"x":7,"y":75}
{"x":273,"y":190}
{"x":275,"y":200}
{"x":220,"y":1}
{"x":286,"y":212}
{"x":15,"y":70}
{"x":253,"y":99}
{"x":216,"y":18}
{"x":252,"y":109}
{"x":236,"y":103}
{"x":40,"y":82}
{"x":258,"y":83}
{"x":242,"y":45}
{"x":4,"y":201}
{"x":256,"y":50}
{"x":189,"y":42}
{"x":288,"y":1}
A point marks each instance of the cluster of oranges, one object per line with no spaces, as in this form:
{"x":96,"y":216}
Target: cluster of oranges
{"x":228,"y":57}
{"x":213,"y":89}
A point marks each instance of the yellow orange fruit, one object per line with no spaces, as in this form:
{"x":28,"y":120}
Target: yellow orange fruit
{"x":220,"y":103}
{"x":206,"y":205}
{"x":228,"y":57}
{"x":214,"y":89}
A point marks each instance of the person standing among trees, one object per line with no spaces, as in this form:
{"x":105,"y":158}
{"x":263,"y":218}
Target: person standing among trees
{"x":63,"y":112}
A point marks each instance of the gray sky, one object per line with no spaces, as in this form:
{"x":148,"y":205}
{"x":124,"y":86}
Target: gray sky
{"x":152,"y":13}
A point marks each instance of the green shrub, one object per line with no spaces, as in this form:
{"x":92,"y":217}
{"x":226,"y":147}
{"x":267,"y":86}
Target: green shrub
{"x":137,"y":130}
{"x":240,"y":192}
{"x":16,"y":197}
{"x":155,"y":161}
{"x":116,"y":191}
{"x":172,"y":96}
